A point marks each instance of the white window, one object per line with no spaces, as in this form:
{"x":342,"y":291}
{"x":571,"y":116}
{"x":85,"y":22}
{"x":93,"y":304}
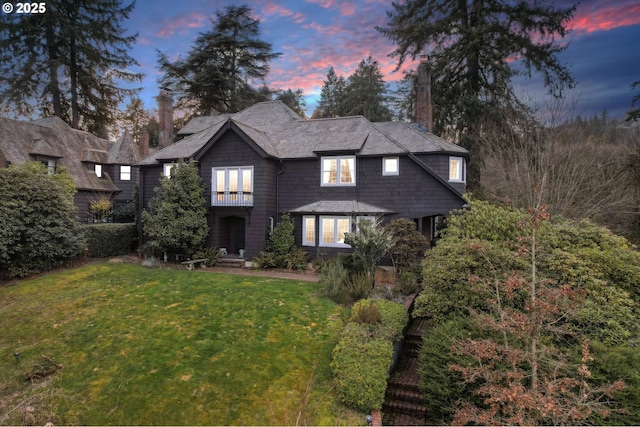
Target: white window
{"x":167,"y":168}
{"x":456,"y":169}
{"x":98,"y":169}
{"x":232,"y":186}
{"x":390,"y":166}
{"x":125,"y":173}
{"x":333,"y":229}
{"x":308,"y":230}
{"x":340,"y":170}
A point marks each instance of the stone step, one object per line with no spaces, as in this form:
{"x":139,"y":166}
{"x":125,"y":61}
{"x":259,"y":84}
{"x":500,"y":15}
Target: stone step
{"x":404,"y":407}
{"x":404,"y":395}
{"x":229,"y":261}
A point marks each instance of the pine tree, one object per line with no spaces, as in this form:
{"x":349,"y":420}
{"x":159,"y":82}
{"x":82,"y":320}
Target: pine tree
{"x":365,"y":93}
{"x":476,"y":48}
{"x":330,"y":104}
{"x":215,"y":74}
{"x":67,"y":62}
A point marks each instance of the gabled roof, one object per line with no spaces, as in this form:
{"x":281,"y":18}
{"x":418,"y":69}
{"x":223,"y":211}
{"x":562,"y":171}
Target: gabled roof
{"x":21,"y":142}
{"x":281,"y":133}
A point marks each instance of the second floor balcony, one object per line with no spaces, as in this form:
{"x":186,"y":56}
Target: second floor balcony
{"x":232,"y":198}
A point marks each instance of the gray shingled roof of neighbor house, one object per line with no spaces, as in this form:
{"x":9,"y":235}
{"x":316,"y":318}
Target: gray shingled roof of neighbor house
{"x":282,"y":134}
{"x":21,"y":141}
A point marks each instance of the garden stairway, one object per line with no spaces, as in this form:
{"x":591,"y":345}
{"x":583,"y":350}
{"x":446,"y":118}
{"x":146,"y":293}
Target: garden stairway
{"x":403,"y":404}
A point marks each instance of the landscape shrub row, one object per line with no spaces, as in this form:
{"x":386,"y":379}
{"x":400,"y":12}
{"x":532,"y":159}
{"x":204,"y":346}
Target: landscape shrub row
{"x":362,"y":357}
{"x":110,"y":239}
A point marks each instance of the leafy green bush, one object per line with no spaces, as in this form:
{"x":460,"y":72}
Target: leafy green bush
{"x":360,"y":366}
{"x":408,"y":246}
{"x":39,"y":229}
{"x":211,"y":254}
{"x":104,"y":240}
{"x":281,"y":251}
{"x":392,"y":317}
{"x":408,"y":283}
{"x":358,"y":285}
{"x":362,"y":358}
{"x":333,"y":275}
{"x":441,"y":387}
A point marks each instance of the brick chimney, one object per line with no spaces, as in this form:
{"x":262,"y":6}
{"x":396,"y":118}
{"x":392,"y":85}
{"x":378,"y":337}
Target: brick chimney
{"x":143,"y":142}
{"x":165,"y":119}
{"x":424,"y":108}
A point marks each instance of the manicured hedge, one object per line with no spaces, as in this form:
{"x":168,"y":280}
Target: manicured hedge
{"x":105,"y":240}
{"x":362,"y":358}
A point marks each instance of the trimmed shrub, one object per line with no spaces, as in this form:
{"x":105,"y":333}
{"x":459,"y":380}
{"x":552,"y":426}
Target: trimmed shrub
{"x":39,"y":229}
{"x":408,"y":247}
{"x":281,"y":251}
{"x":360,"y":365}
{"x":362,"y":358}
{"x":392,"y":317}
{"x":105,"y":240}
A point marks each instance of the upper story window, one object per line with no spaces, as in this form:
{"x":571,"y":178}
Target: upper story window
{"x":98,"y":169}
{"x":125,"y":173}
{"x":338,"y":170}
{"x":390,"y":166}
{"x":50,"y":163}
{"x":457,"y":170}
{"x":232,"y":186}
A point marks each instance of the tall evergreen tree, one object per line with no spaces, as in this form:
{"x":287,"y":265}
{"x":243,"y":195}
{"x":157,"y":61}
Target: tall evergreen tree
{"x":292,"y":99}
{"x":177,"y":216}
{"x":476,"y":48}
{"x":216,"y":73}
{"x":330,"y":103}
{"x":67,"y":62}
{"x":365,"y":93}
{"x":634,"y":112}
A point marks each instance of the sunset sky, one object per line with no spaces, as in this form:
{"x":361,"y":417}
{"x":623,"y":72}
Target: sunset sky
{"x":313,"y":35}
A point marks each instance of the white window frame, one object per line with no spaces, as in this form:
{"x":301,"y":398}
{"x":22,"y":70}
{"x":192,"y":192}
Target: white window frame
{"x":166,"y":169}
{"x":305,"y":241}
{"x":457,"y":174}
{"x":125,"y":173}
{"x":390,"y":172}
{"x":338,"y":183}
{"x":335,"y":242}
{"x":98,"y":170}
{"x":241,"y":196}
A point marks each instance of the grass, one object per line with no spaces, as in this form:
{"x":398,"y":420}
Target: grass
{"x":165,"y":347}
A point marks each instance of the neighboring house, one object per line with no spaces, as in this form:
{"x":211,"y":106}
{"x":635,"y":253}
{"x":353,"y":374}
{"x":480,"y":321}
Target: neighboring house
{"x":327,"y":174}
{"x":99,"y":168}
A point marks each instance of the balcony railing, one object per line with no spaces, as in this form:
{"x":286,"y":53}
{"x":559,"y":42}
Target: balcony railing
{"x":231,"y":198}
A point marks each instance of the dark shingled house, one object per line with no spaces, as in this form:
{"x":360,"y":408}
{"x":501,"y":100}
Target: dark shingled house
{"x":99,"y":168}
{"x":266,"y":160}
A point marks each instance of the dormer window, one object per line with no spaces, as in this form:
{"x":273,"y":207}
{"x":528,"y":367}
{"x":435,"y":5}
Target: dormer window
{"x":166,"y":169}
{"x":457,"y":172}
{"x":49,"y":162}
{"x":338,"y":170}
{"x":98,"y":170}
{"x":125,"y":173}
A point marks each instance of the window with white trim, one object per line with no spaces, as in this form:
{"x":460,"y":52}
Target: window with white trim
{"x":333,"y":229}
{"x":456,"y":169}
{"x":390,"y":166}
{"x":232,"y":186}
{"x":125,"y":173}
{"x":338,"y":170}
{"x":166,"y":169}
{"x":308,"y":230}
{"x":98,"y":169}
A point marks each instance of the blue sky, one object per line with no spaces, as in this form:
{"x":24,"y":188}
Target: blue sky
{"x":313,"y":35}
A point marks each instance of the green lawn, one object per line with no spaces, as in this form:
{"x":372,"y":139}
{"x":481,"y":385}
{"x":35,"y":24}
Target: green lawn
{"x":166,"y":347}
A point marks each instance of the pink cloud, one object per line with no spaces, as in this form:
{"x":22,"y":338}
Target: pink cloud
{"x":603,"y":17}
{"x":181,"y":24}
{"x":276,"y":9}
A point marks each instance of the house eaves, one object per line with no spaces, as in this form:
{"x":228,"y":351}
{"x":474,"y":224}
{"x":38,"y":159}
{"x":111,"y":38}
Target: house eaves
{"x":344,"y":207}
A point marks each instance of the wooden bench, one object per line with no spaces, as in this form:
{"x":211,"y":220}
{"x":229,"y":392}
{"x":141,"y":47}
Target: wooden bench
{"x":189,"y":264}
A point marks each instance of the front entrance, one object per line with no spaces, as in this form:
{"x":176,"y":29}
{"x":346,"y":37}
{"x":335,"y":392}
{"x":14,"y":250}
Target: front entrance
{"x":231,"y":232}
